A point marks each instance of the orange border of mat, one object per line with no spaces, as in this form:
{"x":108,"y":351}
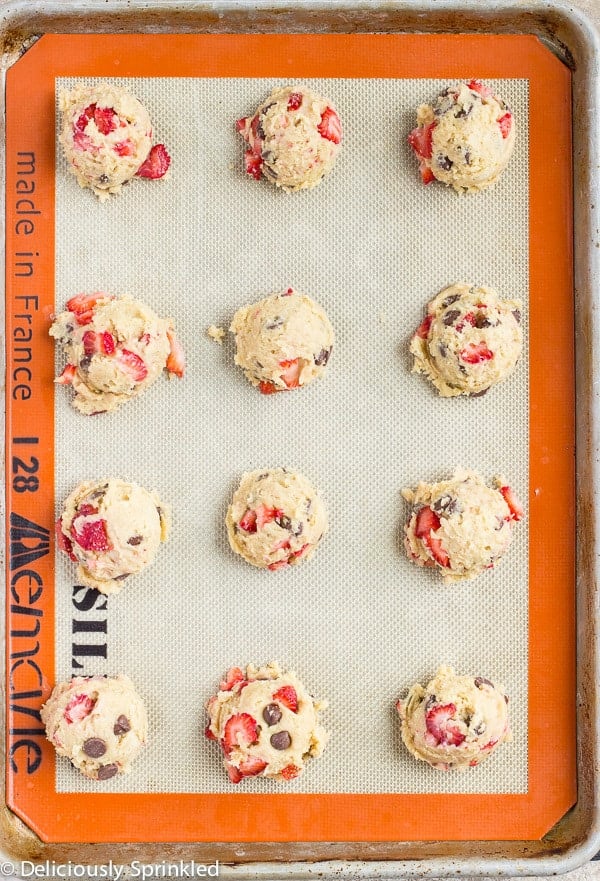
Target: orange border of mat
{"x":30,"y":655}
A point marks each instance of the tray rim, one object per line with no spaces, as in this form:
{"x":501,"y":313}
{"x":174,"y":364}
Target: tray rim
{"x":572,"y":32}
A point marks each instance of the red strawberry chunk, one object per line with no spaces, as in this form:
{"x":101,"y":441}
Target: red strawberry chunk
{"x":241,"y":126}
{"x":266,"y":515}
{"x":505,"y":123}
{"x":280,"y":564}
{"x":268,"y":388}
{"x":208,"y":733}
{"x":330,"y":126}
{"x":66,"y":377}
{"x":287,"y":696}
{"x":83,"y":142}
{"x":98,"y":342}
{"x":423,"y":329}
{"x":476,"y":353}
{"x":63,"y":541}
{"x":176,"y":358}
{"x":478,"y":87}
{"x":85,"y":510}
{"x":92,"y":536}
{"x":291,"y":372}
{"x":133,"y":365}
{"x":299,"y":553}
{"x":251,"y":766}
{"x":156,"y":164}
{"x":426,"y":523}
{"x":294,"y":101}
{"x":515,"y":506}
{"x":427,"y":175}
{"x":106,"y":119}
{"x":491,"y":743}
{"x":248,"y":521}
{"x":82,"y":306}
{"x":240,"y":730}
{"x":80,"y":706}
{"x":234,"y":775}
{"x":421,"y":140}
{"x":85,"y":117}
{"x":232,"y":677}
{"x":254,"y":164}
{"x":125,"y":148}
{"x":289,"y":772}
{"x":442,"y":727}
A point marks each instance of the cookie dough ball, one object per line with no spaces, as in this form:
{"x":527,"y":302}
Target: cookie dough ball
{"x":106,"y":136}
{"x":98,"y":723}
{"x":266,"y":723}
{"x":275,"y":519}
{"x":461,"y":526}
{"x":465,"y":138}
{"x":282,"y":342}
{"x":116,"y":347}
{"x":469,"y":340}
{"x":112,"y":529}
{"x":293,"y":138}
{"x":455,"y":722}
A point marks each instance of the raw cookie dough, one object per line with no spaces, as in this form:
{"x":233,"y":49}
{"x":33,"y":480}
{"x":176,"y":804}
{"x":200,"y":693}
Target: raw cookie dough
{"x":98,"y":723}
{"x":112,"y":529}
{"x":465,"y":138}
{"x":293,"y":138}
{"x":275,"y":519}
{"x":282,"y":342}
{"x":106,"y":136}
{"x":469,"y":340}
{"x":461,"y":525}
{"x":115,"y":348}
{"x":265,"y":722}
{"x":455,"y":722}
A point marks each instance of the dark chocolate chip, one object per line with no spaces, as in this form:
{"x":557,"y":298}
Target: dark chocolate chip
{"x":451,"y":299}
{"x":272,"y":714}
{"x":479,"y":681}
{"x":94,"y":747}
{"x":445,"y":505}
{"x":259,"y":365}
{"x":517,"y":314}
{"x":479,"y":394}
{"x":281,"y":740}
{"x":431,"y":700}
{"x":284,"y":522}
{"x":443,"y":350}
{"x":445,"y":162}
{"x":275,"y":322}
{"x":135,"y":540}
{"x":103,"y":179}
{"x":506,"y":698}
{"x":297,"y":529}
{"x":105,"y":772}
{"x":467,"y":157}
{"x":85,"y":362}
{"x":450,"y":317}
{"x":479,"y":729}
{"x":323,"y":357}
{"x":122,"y":725}
{"x":482,"y":320}
{"x":260,"y":130}
{"x":445,"y":92}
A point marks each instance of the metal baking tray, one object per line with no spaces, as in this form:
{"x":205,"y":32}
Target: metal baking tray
{"x":572,"y":32}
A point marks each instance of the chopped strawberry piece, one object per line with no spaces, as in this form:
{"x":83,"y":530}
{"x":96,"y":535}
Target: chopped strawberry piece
{"x":505,"y":123}
{"x":248,"y":521}
{"x":107,"y":343}
{"x":92,"y":536}
{"x":515,"y":506}
{"x":421,"y":140}
{"x":82,"y":305}
{"x":85,"y":117}
{"x":300,"y":553}
{"x":176,"y":358}
{"x":476,"y":353}
{"x":330,"y":126}
{"x":145,"y":338}
{"x":125,"y":148}
{"x":478,"y":87}
{"x":98,"y":342}
{"x":240,"y":730}
{"x":268,"y":388}
{"x":241,"y":125}
{"x":234,"y":775}
{"x":254,"y":164}
{"x":156,"y":164}
{"x":423,"y":329}
{"x":106,"y":119}
{"x":85,"y":510}
{"x":470,"y":318}
{"x":442,"y":727}
{"x":251,"y":766}
{"x":133,"y":365}
{"x":232,"y":677}
{"x":84,"y":142}
{"x":266,"y":515}
{"x":491,"y":743}
{"x":291,"y":372}
{"x":294,"y":101}
{"x":289,"y":772}
{"x":208,"y":733}
{"x":437,"y":551}
{"x":63,"y":541}
{"x":427,"y":175}
{"x":80,"y":706}
{"x":66,"y":377}
{"x":280,"y":564}
{"x":426,"y":523}
{"x":287,"y":696}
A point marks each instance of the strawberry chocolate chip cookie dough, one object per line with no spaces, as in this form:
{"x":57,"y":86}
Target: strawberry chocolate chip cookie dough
{"x":469,"y":340}
{"x":266,"y":723}
{"x":465,"y":138}
{"x":112,"y":529}
{"x":455,"y":722}
{"x":282,"y":342}
{"x":116,"y":347}
{"x":293,"y":138}
{"x":275,"y":519}
{"x":460,"y":526}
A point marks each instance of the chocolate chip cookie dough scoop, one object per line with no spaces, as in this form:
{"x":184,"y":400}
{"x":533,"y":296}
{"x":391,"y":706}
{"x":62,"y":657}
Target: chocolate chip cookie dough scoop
{"x":106,"y":135}
{"x":98,"y":723}
{"x":116,"y":347}
{"x":266,"y":723}
{"x":455,"y":722}
{"x":293,"y":138}
{"x":282,"y":342}
{"x":276,"y":519}
{"x":461,"y":526}
{"x":465,"y":138}
{"x":111,"y":529}
{"x":469,"y":340}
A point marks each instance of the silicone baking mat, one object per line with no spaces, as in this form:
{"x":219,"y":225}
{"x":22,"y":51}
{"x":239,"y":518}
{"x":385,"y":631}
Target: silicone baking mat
{"x":358,"y":622}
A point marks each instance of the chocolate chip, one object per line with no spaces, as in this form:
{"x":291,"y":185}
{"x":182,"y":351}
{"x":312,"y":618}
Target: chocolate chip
{"x":284,"y":522}
{"x":445,"y":505}
{"x":323,"y":357}
{"x":451,"y":299}
{"x":464,"y":111}
{"x":262,"y":476}
{"x":135,"y":540}
{"x":103,"y":179}
{"x":272,"y":714}
{"x":517,"y":314}
{"x":281,"y":740}
{"x":431,"y":700}
{"x":445,"y":162}
{"x":276,"y":322}
{"x":122,"y":725}
{"x":85,"y":362}
{"x":479,"y":729}
{"x":260,"y":130}
{"x":298,"y":528}
{"x":479,"y":394}
{"x":105,"y":772}
{"x":479,"y":681}
{"x":467,"y":157}
{"x":482,"y":320}
{"x":445,"y":92}
{"x":443,"y":350}
{"x":506,"y":698}
{"x":94,"y":747}
{"x":450,"y":317}
{"x":122,"y":577}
